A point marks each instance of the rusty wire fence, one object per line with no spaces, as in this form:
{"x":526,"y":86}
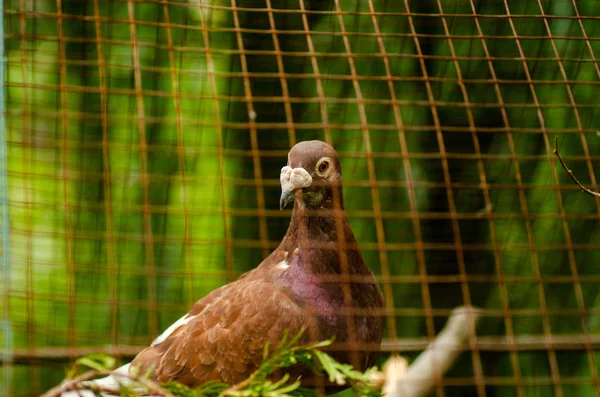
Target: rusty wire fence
{"x":145,"y":140}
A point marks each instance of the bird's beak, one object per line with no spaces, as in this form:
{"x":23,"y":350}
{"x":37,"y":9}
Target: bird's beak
{"x":291,"y":180}
{"x":287,"y":196}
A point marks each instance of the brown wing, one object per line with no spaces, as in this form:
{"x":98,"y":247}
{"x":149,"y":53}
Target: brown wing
{"x":225,"y":337}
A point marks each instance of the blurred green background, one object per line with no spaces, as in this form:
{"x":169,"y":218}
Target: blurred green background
{"x":145,"y":140}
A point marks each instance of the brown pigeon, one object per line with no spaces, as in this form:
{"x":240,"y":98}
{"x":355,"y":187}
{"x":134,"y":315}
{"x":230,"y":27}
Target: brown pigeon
{"x":299,"y":286}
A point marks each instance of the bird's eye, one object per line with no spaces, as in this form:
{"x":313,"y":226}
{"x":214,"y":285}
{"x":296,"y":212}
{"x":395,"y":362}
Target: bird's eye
{"x":323,"y":166}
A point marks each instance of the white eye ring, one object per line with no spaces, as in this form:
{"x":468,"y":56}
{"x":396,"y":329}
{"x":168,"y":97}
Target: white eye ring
{"x":323,"y":166}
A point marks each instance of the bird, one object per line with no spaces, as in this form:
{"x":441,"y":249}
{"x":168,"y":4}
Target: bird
{"x":316,"y":280}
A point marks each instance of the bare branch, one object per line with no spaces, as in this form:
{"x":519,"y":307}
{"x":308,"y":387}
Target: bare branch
{"x":422,"y":375}
{"x":571,"y":175}
{"x":84,"y":386}
{"x":71,"y":383}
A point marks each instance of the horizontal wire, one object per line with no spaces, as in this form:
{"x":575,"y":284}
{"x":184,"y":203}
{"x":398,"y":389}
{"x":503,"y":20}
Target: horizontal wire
{"x":275,"y":125}
{"x":306,"y":100}
{"x":310,"y":76}
{"x":275,"y":10}
{"x":272,"y":244}
{"x":184,"y":50}
{"x":523,"y":343}
{"x":172,"y":25}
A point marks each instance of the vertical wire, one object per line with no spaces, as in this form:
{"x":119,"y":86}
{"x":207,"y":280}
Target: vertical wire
{"x":554,"y":370}
{"x":111,"y":251}
{"x":508,"y":322}
{"x":443,"y":157}
{"x":66,"y":179}
{"x":597,"y":70}
{"x":26,"y":126}
{"x":391,"y":318}
{"x":180,"y":156}
{"x":364,"y":126}
{"x":282,"y":78}
{"x":210,"y":66}
{"x":563,"y":215}
{"x":588,"y":42}
{"x":7,"y":335}
{"x":146,"y":210}
{"x":260,"y":189}
{"x":419,"y":247}
{"x":319,"y":80}
{"x":475,"y":353}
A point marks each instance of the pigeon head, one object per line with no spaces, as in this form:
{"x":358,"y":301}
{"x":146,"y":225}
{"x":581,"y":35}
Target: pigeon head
{"x":312,"y":176}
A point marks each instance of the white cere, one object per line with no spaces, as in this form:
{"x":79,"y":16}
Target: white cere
{"x":294,"y":178}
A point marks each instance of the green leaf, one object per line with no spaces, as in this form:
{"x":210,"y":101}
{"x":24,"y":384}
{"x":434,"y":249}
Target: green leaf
{"x":331,"y":367}
{"x":98,"y":362}
{"x":126,"y":391}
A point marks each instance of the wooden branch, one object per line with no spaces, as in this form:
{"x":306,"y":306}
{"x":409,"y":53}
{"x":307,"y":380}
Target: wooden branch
{"x":86,"y":386}
{"x":69,"y":383}
{"x":570,"y":173}
{"x":428,"y":369}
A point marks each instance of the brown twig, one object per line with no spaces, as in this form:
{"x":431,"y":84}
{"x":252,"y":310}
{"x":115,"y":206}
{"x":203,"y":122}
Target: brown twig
{"x":571,"y":175}
{"x":80,"y":383}
{"x":72,"y":383}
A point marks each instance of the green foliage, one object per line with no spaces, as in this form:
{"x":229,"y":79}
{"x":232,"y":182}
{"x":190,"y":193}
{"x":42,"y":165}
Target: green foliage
{"x":98,"y":362}
{"x":259,"y":384}
{"x":208,"y":389}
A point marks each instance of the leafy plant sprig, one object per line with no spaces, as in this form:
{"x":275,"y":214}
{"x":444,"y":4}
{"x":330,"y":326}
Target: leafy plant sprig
{"x":287,"y":353}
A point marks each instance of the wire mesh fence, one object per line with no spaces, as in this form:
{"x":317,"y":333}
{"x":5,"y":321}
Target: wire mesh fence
{"x":145,"y":141}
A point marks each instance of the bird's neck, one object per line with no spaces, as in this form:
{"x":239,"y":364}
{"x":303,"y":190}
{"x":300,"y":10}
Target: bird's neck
{"x":320,"y":236}
{"x":316,"y":224}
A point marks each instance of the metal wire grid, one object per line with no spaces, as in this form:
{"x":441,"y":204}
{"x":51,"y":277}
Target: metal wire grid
{"x":459,"y":61}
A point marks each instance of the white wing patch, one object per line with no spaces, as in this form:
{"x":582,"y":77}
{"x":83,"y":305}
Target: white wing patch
{"x":179,"y":323}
